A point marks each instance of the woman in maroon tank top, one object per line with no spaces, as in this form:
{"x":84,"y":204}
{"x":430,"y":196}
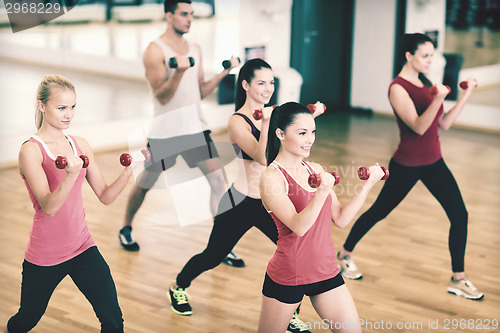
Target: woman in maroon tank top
{"x":304,"y":262}
{"x":419,"y":115}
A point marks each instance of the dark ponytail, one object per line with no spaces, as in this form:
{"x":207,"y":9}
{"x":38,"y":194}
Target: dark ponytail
{"x":424,"y":80}
{"x":410,"y":43}
{"x":247,"y":73}
{"x":282,"y":117}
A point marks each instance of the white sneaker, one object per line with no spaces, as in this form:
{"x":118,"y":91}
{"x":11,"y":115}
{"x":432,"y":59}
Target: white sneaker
{"x":464,"y":288}
{"x":348,"y":268}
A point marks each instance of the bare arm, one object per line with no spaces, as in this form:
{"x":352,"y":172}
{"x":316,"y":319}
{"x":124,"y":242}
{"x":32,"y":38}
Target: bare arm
{"x":156,"y":73}
{"x":405,"y":109}
{"x":30,"y":165}
{"x":206,"y":87}
{"x":449,"y":118}
{"x":240,"y":134}
{"x":274,"y":198}
{"x":107,"y":194}
{"x":342,"y":216}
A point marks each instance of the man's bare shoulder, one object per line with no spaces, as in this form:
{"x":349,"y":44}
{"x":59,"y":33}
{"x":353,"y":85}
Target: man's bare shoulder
{"x":153,"y":53}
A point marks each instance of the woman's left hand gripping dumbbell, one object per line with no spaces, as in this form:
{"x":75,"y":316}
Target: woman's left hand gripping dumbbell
{"x":127,"y":159}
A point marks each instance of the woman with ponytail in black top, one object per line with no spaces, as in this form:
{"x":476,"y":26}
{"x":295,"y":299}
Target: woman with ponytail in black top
{"x":419,"y":115}
{"x":240,"y":208}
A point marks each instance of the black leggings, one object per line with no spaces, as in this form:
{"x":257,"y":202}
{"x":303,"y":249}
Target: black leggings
{"x":441,"y":183}
{"x":91,"y":274}
{"x":236,"y":214}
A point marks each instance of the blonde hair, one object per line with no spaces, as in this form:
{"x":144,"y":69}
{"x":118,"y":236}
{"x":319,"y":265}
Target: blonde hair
{"x":43,"y":93}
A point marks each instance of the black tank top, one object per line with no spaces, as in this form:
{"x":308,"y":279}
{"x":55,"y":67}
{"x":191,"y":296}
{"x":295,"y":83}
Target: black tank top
{"x":255,"y":133}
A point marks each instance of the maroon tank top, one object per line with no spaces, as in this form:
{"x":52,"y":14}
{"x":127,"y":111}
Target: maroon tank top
{"x":414,"y":149}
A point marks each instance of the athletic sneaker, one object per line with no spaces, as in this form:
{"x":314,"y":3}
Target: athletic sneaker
{"x":464,"y":288}
{"x":179,"y":301}
{"x":126,"y":239}
{"x":296,"y":325}
{"x":348,"y":268}
{"x":233,"y":260}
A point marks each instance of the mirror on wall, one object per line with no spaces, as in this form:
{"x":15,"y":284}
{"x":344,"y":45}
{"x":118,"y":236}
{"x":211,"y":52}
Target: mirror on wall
{"x":473,"y":30}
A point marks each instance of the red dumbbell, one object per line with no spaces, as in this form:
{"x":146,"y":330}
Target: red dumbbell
{"x":465,"y":84}
{"x":364,"y":173}
{"x":257,"y":114}
{"x":61,"y":161}
{"x":126,"y":159}
{"x":314,"y":179}
{"x":434,"y":90}
{"x":312,"y":107}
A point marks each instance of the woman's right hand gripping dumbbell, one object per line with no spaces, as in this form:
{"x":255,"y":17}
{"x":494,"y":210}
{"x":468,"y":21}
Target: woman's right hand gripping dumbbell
{"x":71,"y":163}
{"x":317,"y":108}
{"x":439,"y":90}
{"x":323,"y":180}
{"x":265,"y":113}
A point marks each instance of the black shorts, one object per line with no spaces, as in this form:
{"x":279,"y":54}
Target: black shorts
{"x":294,"y":294}
{"x":194,"y":148}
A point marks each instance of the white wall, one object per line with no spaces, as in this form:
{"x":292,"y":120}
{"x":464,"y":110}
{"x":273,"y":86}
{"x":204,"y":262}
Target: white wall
{"x":373,"y":50}
{"x":429,"y":15}
{"x":269,"y":23}
{"x":265,"y":22}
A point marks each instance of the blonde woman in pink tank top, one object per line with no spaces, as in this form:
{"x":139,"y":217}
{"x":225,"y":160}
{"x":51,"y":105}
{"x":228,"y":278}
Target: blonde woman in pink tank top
{"x":60,"y":243}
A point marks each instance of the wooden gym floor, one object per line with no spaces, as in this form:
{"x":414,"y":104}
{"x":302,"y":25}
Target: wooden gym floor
{"x":405,"y":258}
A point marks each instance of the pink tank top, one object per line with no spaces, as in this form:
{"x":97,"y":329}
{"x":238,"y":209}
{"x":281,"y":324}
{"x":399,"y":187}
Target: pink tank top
{"x":56,"y":239}
{"x":310,"y":258}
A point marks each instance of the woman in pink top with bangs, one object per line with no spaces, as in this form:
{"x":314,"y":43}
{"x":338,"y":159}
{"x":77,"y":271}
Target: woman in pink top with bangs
{"x":304,"y":262}
{"x":60,"y":243}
